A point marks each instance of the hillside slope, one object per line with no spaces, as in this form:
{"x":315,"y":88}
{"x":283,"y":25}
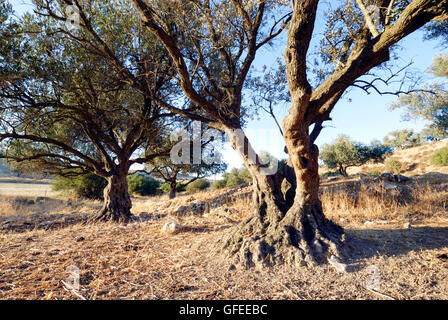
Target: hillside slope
{"x":414,"y":161}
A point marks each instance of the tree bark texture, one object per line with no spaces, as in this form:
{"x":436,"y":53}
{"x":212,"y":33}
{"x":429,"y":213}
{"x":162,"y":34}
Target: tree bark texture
{"x":287,"y":224}
{"x":117,"y":201}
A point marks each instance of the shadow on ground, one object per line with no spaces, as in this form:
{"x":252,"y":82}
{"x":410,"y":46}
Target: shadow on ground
{"x":366,"y":243}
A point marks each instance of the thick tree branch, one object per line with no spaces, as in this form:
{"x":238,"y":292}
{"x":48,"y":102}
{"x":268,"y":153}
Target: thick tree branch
{"x":375,"y":52}
{"x":149,"y":18}
{"x":299,"y":38}
{"x":189,"y":115}
{"x":97,"y":166}
{"x":47,"y":155}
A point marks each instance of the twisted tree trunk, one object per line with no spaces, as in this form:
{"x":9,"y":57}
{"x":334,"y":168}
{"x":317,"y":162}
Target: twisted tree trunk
{"x":173,"y":186}
{"x":287,"y":224}
{"x":117,"y":202}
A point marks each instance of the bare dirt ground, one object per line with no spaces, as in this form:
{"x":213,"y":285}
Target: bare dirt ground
{"x":407,"y":256}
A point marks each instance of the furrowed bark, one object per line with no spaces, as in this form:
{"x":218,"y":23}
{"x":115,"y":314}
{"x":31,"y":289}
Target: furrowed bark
{"x":117,"y":201}
{"x":287,"y":224}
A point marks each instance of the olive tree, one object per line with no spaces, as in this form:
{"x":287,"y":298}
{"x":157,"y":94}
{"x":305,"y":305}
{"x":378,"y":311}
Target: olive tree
{"x":68,"y":104}
{"x":430,"y":103}
{"x":212,"y":45}
{"x":344,"y":153}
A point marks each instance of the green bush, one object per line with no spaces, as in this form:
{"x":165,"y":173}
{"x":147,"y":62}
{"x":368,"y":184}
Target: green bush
{"x":88,"y":186}
{"x":218,"y":184}
{"x":198,"y":185}
{"x":393,"y":166}
{"x":165,"y":188}
{"x":233,"y":178}
{"x":237,"y":176}
{"x":344,"y":153}
{"x":142,"y":185}
{"x":330,"y":174}
{"x":244,"y":175}
{"x":440,"y":157}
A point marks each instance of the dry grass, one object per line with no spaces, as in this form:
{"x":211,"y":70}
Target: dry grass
{"x":137,"y":261}
{"x":29,"y":189}
{"x":24,"y":206}
{"x":422,"y":203}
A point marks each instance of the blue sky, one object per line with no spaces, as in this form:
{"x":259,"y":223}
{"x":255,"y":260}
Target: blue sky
{"x":363,"y":117}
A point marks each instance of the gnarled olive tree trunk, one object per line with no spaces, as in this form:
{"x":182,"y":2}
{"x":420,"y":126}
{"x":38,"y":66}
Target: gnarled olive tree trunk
{"x":287,"y":224}
{"x":117,"y":201}
{"x":172,"y":193}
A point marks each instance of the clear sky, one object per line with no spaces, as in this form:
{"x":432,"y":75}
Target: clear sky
{"x":363,"y":117}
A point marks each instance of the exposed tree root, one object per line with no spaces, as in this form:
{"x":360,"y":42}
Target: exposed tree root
{"x":117,"y":202}
{"x":302,"y":237}
{"x":120,"y":216}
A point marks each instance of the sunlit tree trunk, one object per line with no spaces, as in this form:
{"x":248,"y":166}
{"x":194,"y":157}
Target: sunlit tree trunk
{"x":287,"y":224}
{"x":117,"y":201}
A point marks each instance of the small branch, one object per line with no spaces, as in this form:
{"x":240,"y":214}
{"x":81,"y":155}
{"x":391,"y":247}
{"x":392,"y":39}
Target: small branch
{"x":389,"y":11}
{"x":270,"y":111}
{"x":188,"y":115}
{"x":141,"y":171}
{"x":273,"y":34}
{"x":369,"y":21}
{"x":150,"y":157}
{"x":192,"y":180}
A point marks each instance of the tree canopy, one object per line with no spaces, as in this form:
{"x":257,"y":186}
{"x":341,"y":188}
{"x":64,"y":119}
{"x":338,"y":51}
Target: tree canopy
{"x":196,"y":156}
{"x":66,"y":103}
{"x":431,"y":103}
{"x":344,"y":153}
{"x":401,"y":139}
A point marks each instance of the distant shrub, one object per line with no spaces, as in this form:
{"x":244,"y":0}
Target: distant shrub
{"x":330,"y":174}
{"x":166,"y":187}
{"x":393,"y":166}
{"x":440,"y":157}
{"x":237,"y":176}
{"x":142,"y":185}
{"x":218,"y":184}
{"x":88,"y":186}
{"x":198,"y":185}
{"x":343,"y":153}
{"x":233,"y":181}
{"x":402,"y":139}
{"x":233,"y":178}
